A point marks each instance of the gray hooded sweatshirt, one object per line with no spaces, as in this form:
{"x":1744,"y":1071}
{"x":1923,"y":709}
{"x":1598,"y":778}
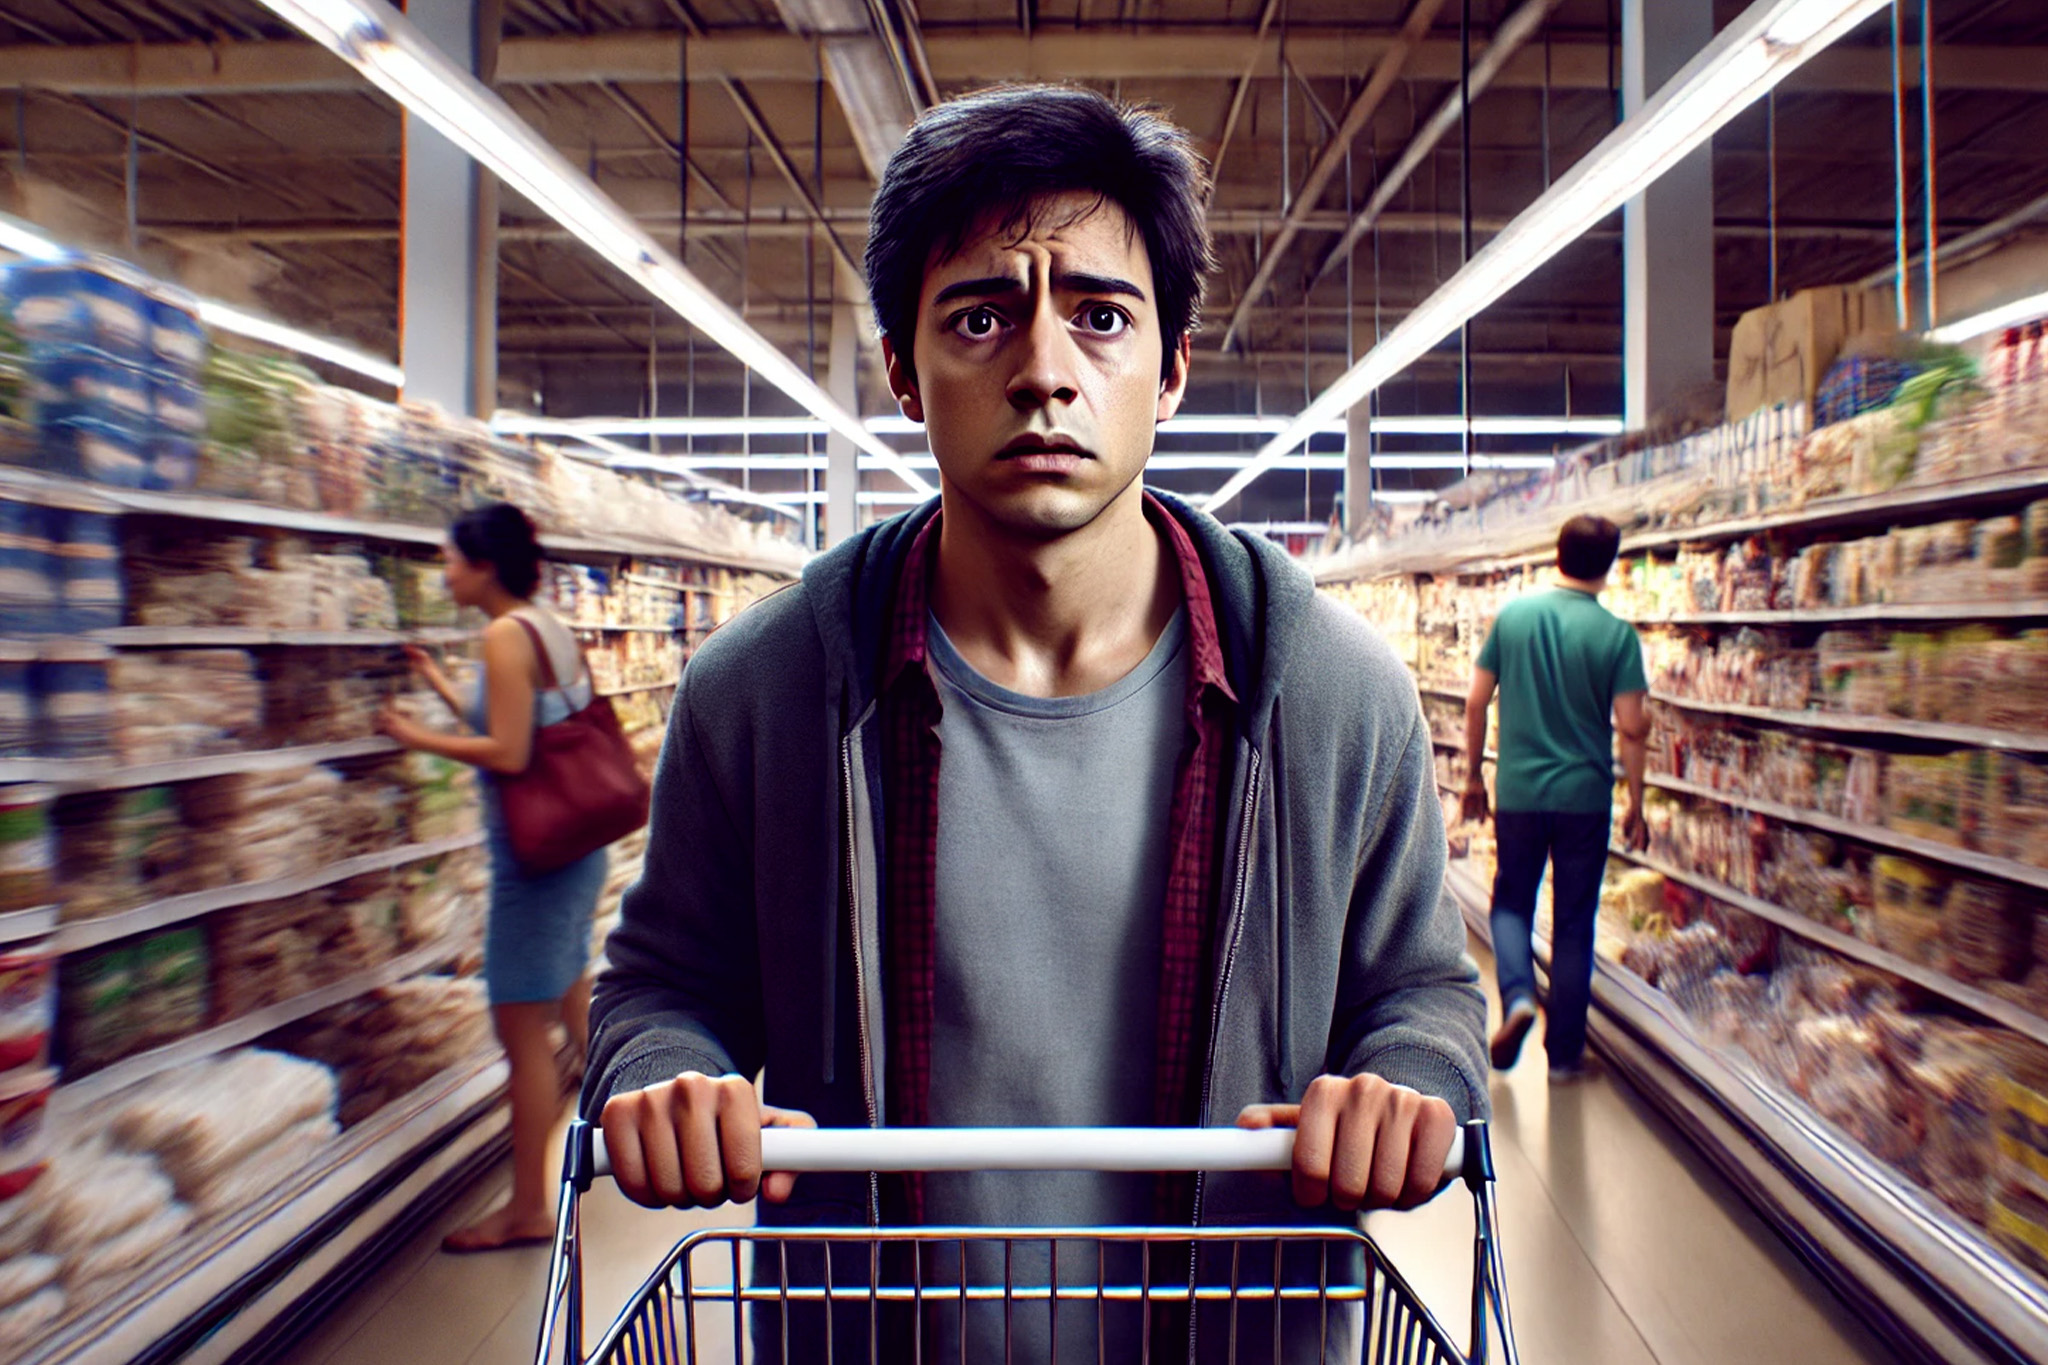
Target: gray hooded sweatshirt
{"x":753,"y":940}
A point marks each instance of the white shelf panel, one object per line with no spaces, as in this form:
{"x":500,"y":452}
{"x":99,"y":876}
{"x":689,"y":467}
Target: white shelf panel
{"x":2030,"y":609}
{"x":1966,"y":859}
{"x":33,"y":486}
{"x":1849,"y":723}
{"x":74,"y":1095}
{"x":179,"y":1287}
{"x":82,"y":775}
{"x":21,"y":926}
{"x":639,"y":687}
{"x":600,"y":625}
{"x":257,"y":637}
{"x":172,"y":910}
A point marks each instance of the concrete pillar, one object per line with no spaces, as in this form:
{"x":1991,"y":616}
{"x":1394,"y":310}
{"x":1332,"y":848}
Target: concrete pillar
{"x":448,"y":233}
{"x":842,"y":456}
{"x":1668,"y":230}
{"x":1358,"y":467}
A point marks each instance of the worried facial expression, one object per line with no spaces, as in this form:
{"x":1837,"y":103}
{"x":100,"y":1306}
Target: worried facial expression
{"x":1037,"y":366}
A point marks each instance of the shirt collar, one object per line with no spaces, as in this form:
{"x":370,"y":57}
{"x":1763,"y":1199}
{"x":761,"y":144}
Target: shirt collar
{"x":908,"y":639}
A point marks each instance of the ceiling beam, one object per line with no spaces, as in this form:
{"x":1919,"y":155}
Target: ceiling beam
{"x":956,"y":57}
{"x":1239,"y":89}
{"x":1517,"y":30}
{"x":1336,"y":153}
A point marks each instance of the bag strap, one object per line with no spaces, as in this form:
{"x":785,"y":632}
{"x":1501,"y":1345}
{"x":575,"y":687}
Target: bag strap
{"x":549,"y":681}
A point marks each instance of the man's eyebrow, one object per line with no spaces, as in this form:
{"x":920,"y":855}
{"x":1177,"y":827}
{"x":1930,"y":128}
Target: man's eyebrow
{"x":1079,"y":282}
{"x":1070,"y":281}
{"x":979,"y":289}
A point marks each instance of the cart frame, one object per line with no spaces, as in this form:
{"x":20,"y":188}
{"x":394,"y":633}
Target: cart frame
{"x":1396,"y":1326}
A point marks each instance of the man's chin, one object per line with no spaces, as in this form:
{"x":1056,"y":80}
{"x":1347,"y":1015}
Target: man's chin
{"x":1043,"y":512}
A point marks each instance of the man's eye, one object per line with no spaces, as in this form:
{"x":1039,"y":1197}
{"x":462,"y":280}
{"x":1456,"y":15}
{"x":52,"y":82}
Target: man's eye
{"x":979,"y":323}
{"x":1104,"y":321}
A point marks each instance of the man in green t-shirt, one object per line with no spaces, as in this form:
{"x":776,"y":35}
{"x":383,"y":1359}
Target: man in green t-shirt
{"x":1570,"y":675}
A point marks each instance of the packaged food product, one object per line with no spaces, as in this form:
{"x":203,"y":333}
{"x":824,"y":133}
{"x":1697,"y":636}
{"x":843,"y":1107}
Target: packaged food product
{"x":86,"y":301}
{"x":28,"y":1008}
{"x":17,"y":700}
{"x":128,"y":996}
{"x":25,"y":1321}
{"x":27,"y":851}
{"x":76,"y":706}
{"x":24,"y":1137}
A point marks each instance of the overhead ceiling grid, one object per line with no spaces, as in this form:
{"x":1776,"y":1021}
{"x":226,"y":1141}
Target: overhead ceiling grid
{"x":211,"y":140}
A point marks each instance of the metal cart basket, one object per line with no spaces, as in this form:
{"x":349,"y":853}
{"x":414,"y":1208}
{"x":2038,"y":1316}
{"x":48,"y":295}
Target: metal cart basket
{"x":822,"y":1296}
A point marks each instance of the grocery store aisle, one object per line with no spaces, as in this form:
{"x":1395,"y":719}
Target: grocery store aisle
{"x":1622,"y":1249}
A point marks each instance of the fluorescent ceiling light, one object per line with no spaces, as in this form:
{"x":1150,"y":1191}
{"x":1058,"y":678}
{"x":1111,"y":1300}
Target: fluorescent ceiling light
{"x":23,"y":240}
{"x":243,"y":323}
{"x":379,"y":42}
{"x":1745,"y":61}
{"x":1993,"y":320}
{"x":1221,"y":424}
{"x":1402,"y":497}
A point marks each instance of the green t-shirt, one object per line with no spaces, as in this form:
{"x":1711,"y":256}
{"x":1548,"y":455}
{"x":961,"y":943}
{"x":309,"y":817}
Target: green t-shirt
{"x":1562,"y":659}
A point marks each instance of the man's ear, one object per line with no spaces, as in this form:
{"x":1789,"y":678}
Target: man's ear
{"x":903,"y":382}
{"x":1174,"y":387}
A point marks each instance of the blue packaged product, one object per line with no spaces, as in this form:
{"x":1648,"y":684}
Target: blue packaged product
{"x":74,"y":699}
{"x":79,"y":381}
{"x":17,"y":701}
{"x":178,"y":404}
{"x":173,"y":463}
{"x":29,"y":578}
{"x":90,"y":553}
{"x":84,"y":302}
{"x":91,"y":448}
{"x":177,"y":337}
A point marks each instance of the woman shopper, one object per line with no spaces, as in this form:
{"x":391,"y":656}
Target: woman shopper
{"x":537,"y":943}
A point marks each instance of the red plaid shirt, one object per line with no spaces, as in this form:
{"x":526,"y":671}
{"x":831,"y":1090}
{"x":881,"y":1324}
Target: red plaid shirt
{"x":910,"y":798}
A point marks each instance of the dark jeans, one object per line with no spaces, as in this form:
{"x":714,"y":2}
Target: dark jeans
{"x":1574,"y":844}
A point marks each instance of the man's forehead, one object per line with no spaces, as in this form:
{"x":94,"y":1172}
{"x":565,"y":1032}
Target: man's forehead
{"x":1076,"y":228}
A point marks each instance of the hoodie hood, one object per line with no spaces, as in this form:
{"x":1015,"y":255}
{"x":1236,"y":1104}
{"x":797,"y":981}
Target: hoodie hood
{"x":1261,"y":595}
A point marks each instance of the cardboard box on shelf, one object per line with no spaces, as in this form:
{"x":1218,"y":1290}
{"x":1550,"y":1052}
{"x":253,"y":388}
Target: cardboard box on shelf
{"x":1780,"y":353}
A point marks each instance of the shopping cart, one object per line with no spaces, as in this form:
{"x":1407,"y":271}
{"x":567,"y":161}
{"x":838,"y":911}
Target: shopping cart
{"x":906,"y":1294}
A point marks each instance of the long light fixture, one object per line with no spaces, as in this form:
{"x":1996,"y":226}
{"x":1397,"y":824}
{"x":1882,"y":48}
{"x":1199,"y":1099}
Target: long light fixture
{"x":376,"y":40}
{"x":521,"y":424}
{"x":1766,"y":43}
{"x":1992,"y":320}
{"x":1295,"y":462}
{"x":24,"y":240}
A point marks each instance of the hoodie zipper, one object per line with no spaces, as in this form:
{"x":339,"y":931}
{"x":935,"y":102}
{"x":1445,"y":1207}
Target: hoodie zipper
{"x":860,"y":973}
{"x":1238,"y":895}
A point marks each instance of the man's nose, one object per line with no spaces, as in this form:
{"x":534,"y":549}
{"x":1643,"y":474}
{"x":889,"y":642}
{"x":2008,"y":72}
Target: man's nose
{"x":1046,"y":364}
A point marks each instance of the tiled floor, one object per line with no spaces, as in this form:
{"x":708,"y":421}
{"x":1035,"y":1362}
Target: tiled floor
{"x":1622,"y":1249}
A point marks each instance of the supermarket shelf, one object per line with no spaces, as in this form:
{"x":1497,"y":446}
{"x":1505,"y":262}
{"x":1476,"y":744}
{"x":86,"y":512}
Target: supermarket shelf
{"x":257,"y":637}
{"x":601,"y":625}
{"x":1981,"y":863}
{"x":685,"y":588}
{"x":1848,"y":723}
{"x":2015,"y":1017}
{"x":32,"y":485}
{"x":171,"y":910}
{"x":1921,"y":1277}
{"x":1956,"y":498}
{"x":638,"y":687}
{"x":1435,"y":690}
{"x":19,"y":926}
{"x":2035,"y":608}
{"x":88,"y":1090}
{"x":84,"y":775}
{"x":384,"y":1164}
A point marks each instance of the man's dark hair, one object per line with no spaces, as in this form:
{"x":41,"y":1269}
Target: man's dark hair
{"x":984,"y":159}
{"x":1586,"y":547}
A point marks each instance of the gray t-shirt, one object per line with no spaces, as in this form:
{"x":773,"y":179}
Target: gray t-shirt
{"x":1054,"y":821}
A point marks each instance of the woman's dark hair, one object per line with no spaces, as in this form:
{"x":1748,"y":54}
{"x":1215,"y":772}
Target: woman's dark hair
{"x":984,"y":159}
{"x":501,"y":536}
{"x":1586,"y":547}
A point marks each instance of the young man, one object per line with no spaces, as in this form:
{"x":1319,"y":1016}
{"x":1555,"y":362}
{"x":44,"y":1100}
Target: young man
{"x":1053,"y":803}
{"x":1563,"y":664}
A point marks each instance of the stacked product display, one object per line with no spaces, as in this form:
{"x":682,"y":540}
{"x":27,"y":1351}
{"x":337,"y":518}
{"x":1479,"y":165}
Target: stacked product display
{"x":1840,"y":915}
{"x":238,"y":927}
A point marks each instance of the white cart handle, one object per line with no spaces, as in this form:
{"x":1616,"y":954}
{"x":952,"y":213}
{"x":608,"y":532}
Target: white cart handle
{"x":815,"y":1150}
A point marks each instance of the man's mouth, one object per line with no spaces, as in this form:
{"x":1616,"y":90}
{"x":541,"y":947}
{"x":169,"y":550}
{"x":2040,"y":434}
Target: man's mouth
{"x":1036,"y":454}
